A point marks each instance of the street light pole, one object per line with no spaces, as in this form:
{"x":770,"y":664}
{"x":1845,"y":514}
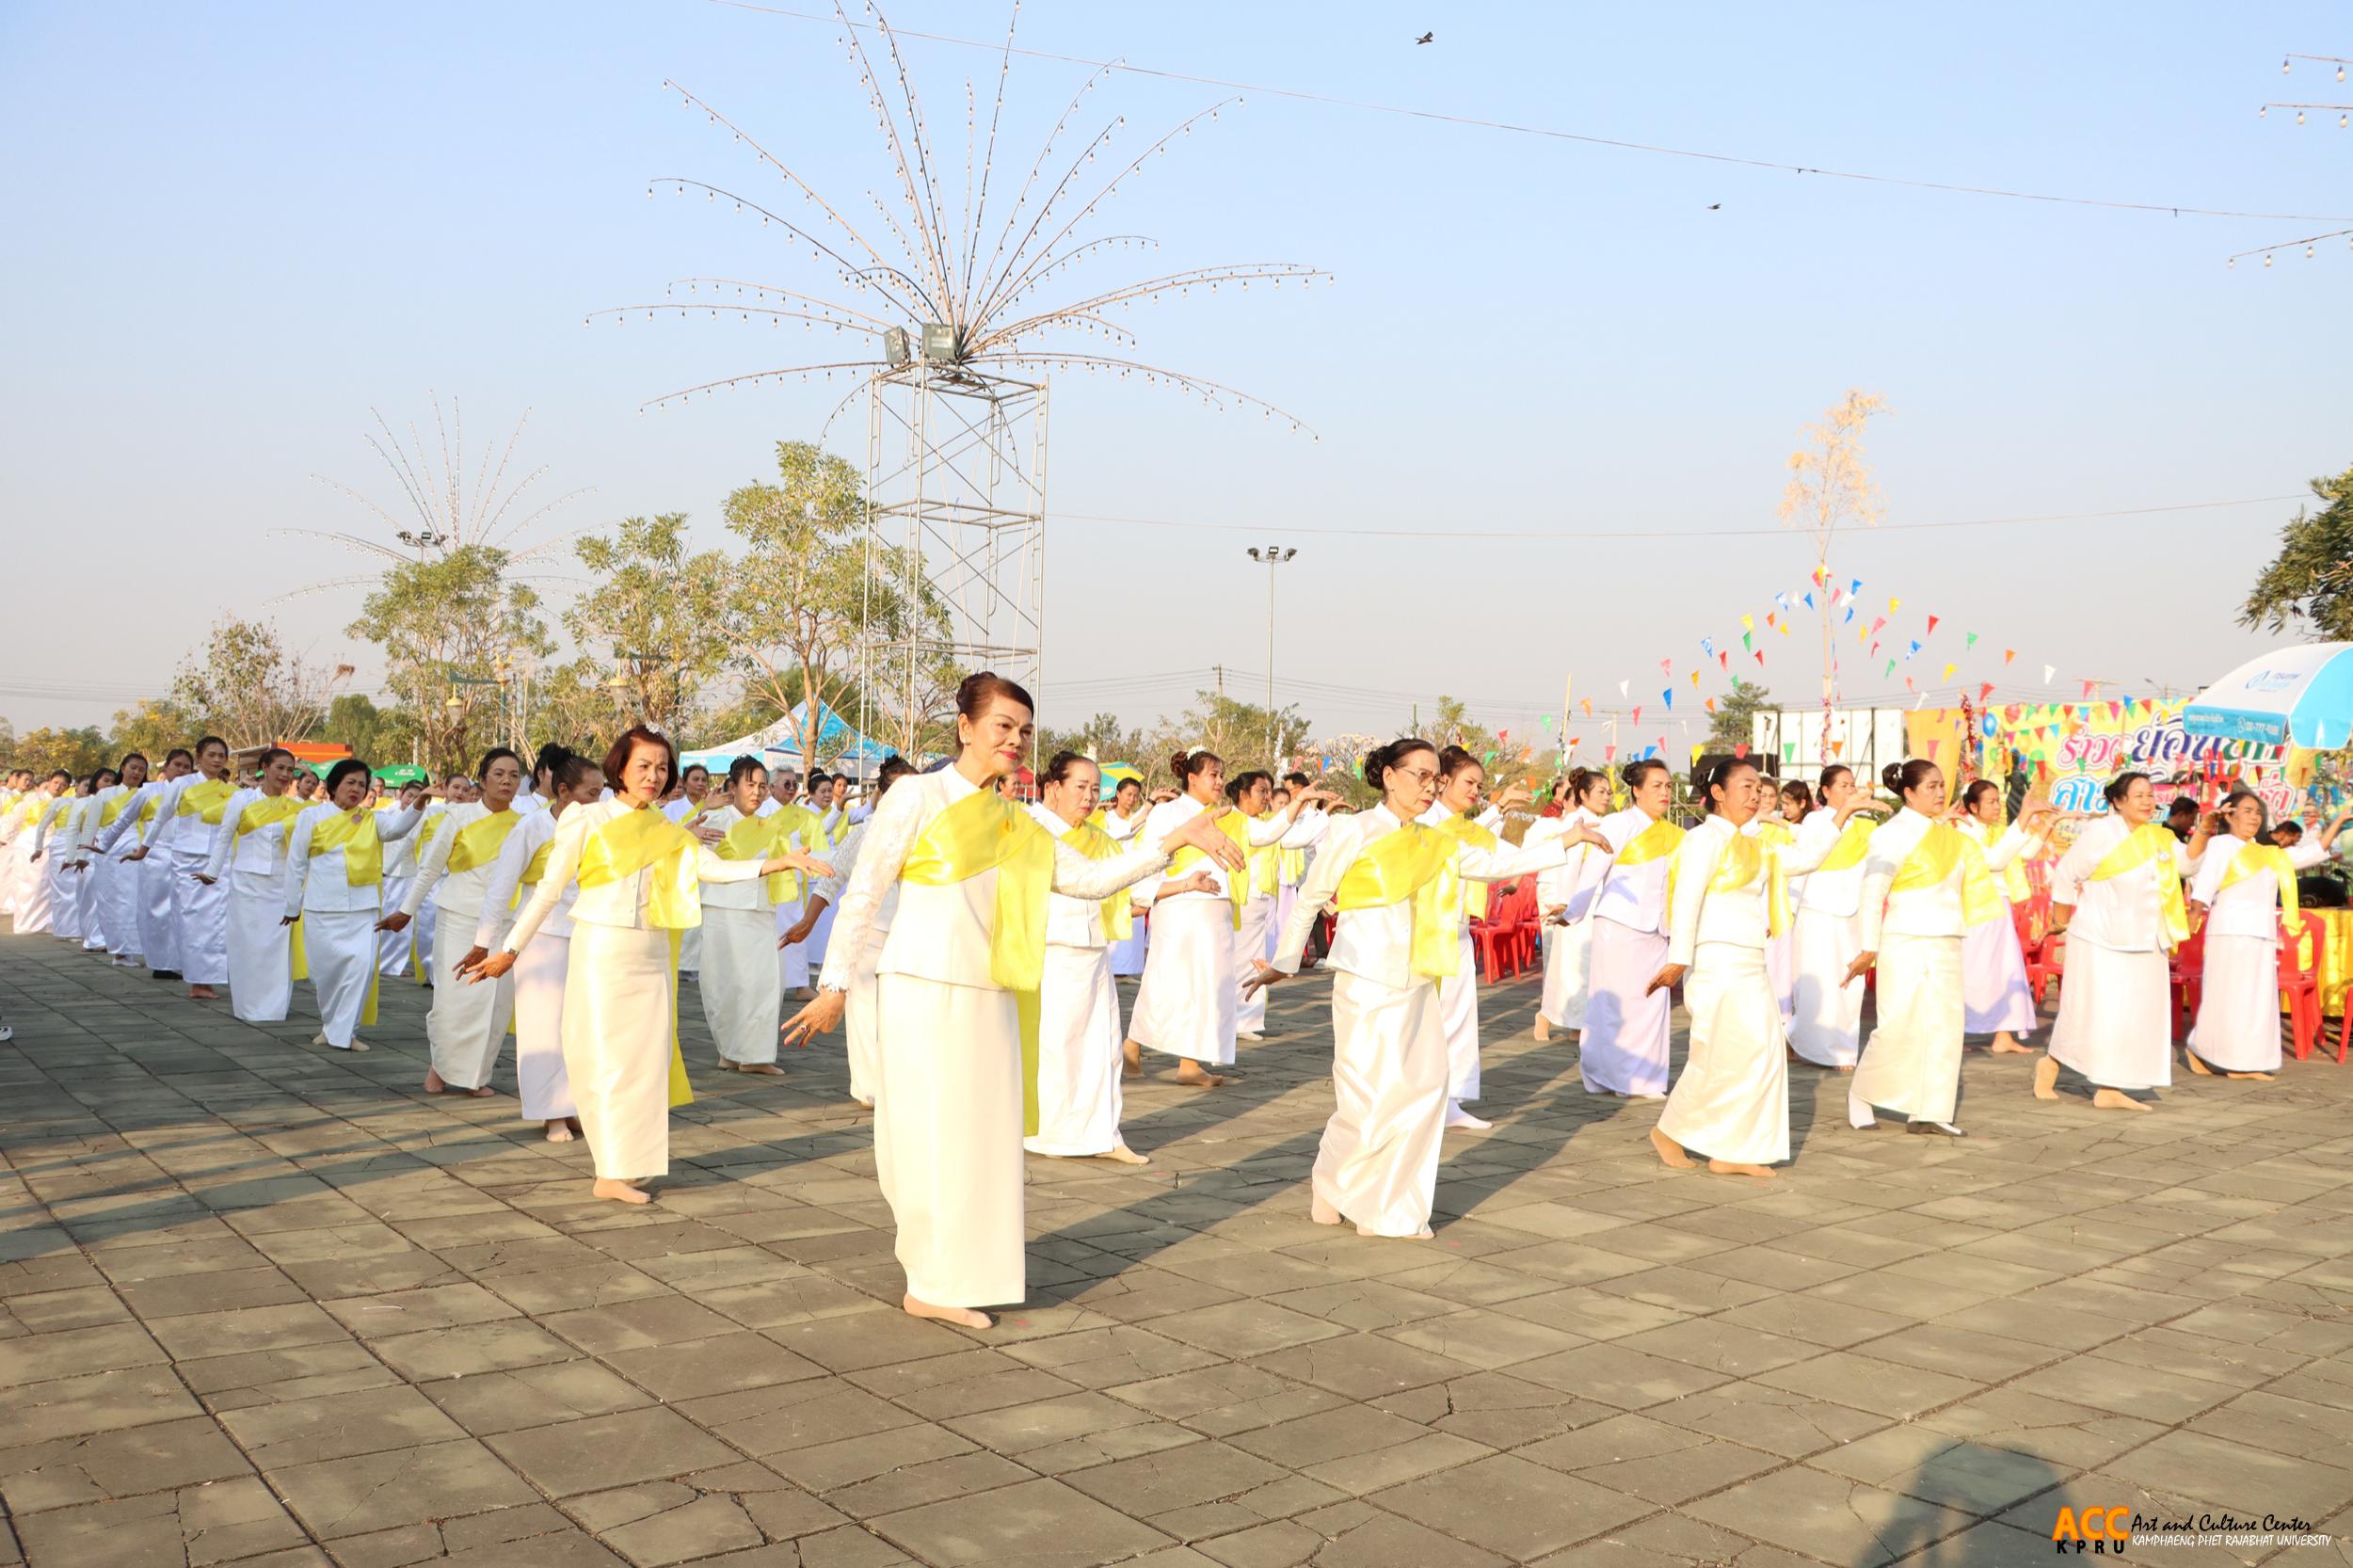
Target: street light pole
{"x":1273,"y":555}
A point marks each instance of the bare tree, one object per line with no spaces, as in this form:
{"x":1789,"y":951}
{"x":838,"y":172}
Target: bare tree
{"x":247,"y":688}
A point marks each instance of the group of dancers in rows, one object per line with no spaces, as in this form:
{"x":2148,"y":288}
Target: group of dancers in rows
{"x":973,"y":943}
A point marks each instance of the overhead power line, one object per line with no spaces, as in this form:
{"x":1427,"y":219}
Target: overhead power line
{"x":1666,"y":533}
{"x":1550,"y":132}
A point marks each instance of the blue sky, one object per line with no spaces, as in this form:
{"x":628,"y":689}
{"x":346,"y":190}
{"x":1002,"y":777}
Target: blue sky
{"x":238,"y":228}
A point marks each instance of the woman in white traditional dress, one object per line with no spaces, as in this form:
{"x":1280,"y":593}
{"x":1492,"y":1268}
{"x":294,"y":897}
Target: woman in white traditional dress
{"x":857,"y":1015}
{"x":1924,"y":885}
{"x":784,"y":789}
{"x":1122,"y":819}
{"x":467,"y":1026}
{"x":975,"y":872}
{"x":1996,"y":998}
{"x":639,"y":876}
{"x":542,"y":1088}
{"x":1397,"y":884}
{"x":185,"y":817}
{"x":2116,"y":893}
{"x":114,"y":885}
{"x":2245,"y":892}
{"x":148,"y":876}
{"x":1623,"y":1050}
{"x":1781,"y":812}
{"x":743,"y":994}
{"x":17,"y":809}
{"x":1252,"y":794}
{"x":1460,"y":783}
{"x":32,"y":847}
{"x":1731,"y":1105}
{"x":1565,"y":896}
{"x":397,"y":955}
{"x":1825,"y":1004}
{"x":335,"y":887}
{"x":249,"y":850}
{"x":68,"y":859}
{"x":1078,"y":1035}
{"x":1186,"y":1004}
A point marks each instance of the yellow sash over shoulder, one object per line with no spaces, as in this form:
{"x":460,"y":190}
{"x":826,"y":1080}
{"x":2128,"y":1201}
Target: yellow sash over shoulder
{"x":983,"y":832}
{"x":271,"y":808}
{"x":2252,"y":860}
{"x":1853,"y":843}
{"x":1941,"y":848}
{"x":1463,"y":830}
{"x":208,"y":800}
{"x":1746,"y":859}
{"x":478,"y":841}
{"x":1119,"y":913}
{"x":2152,"y":846}
{"x":1414,"y":863}
{"x":112,"y":808}
{"x":364,"y":852}
{"x":1237,"y":827}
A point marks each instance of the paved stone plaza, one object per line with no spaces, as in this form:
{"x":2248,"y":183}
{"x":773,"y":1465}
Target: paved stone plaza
{"x":267,"y":1303}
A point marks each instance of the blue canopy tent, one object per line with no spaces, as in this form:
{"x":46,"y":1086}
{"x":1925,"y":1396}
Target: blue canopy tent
{"x":2295,"y":696}
{"x":837,"y":743}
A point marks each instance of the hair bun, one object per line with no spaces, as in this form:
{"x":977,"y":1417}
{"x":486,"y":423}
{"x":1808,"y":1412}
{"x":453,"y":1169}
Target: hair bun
{"x":1892,"y":777}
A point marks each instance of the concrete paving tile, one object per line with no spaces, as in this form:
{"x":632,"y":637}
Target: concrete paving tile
{"x":401,"y":1486}
{"x":243,"y":1330}
{"x":336,"y":1427}
{"x":934,"y":1480}
{"x":1882,"y":1387}
{"x":532,"y":1397}
{"x":159,"y":1457}
{"x":1363,"y":1365}
{"x":1829,"y":1516}
{"x":1942,"y":1469}
{"x":1649,"y":1460}
{"x":100,"y":1402}
{"x":1042,"y":1523}
{"x":602,"y":1451}
{"x":711,"y":1366}
{"x":72,"y":1352}
{"x":1617,"y":1376}
{"x":1509,"y":1506}
{"x":1776,"y":1420}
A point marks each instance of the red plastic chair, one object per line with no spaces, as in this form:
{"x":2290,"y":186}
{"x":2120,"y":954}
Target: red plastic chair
{"x":2186,"y":970}
{"x":1495,"y":937}
{"x":2300,"y":981}
{"x":2028,"y":919}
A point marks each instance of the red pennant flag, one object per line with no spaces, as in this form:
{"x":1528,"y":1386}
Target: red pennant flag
{"x":1741,"y":750}
{"x":1985,"y":691}
{"x":1932,"y":626}
{"x":1723,"y":660}
{"x":1610,"y":754}
{"x":1760,"y":656}
{"x":2090,"y":687}
{"x":1638,"y":713}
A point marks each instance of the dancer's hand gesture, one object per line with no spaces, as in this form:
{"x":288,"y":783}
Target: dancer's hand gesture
{"x":393,"y":921}
{"x":1199,"y":881}
{"x":1515,"y":794}
{"x":1266,"y":974}
{"x":1862,"y":966}
{"x":1202,"y":833}
{"x":491,"y":967}
{"x":1665,"y":979}
{"x":821,"y":1017}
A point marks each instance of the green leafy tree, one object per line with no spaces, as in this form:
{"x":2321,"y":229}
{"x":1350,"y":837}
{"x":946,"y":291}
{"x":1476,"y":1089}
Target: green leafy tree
{"x":245,"y":687}
{"x":574,"y":703}
{"x":80,"y":752}
{"x":374,"y":734}
{"x":803,"y":613}
{"x":658,"y":607}
{"x":1237,"y":731}
{"x":2309,"y":582}
{"x":1732,"y":724}
{"x":154,"y":727}
{"x":454,"y":630}
{"x":1451,"y":724}
{"x":1102,"y":737}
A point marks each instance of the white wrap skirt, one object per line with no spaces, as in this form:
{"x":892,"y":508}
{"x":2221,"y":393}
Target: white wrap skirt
{"x":1458,"y":1013}
{"x":467,"y":1027}
{"x":1995,"y":992}
{"x":200,"y":911}
{"x":1913,"y":1063}
{"x":159,"y":933}
{"x":1623,"y":1047}
{"x":2116,"y":1016}
{"x":948,"y":1138}
{"x":340,"y":945}
{"x":118,"y":890}
{"x":1377,"y":1163}
{"x":2239,"y":1005}
{"x":1127,"y":956}
{"x":742,"y":988}
{"x":1185,"y":1004}
{"x":541,"y":1084}
{"x":396,"y":950}
{"x":616,"y":1047}
{"x":792,"y":961}
{"x":1078,"y":1055}
{"x":1568,"y":950}
{"x":261,"y":948}
{"x":1732,"y":1102}
{"x":1825,"y":1007}
{"x":1250,"y":950}
{"x":857,"y":1020}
